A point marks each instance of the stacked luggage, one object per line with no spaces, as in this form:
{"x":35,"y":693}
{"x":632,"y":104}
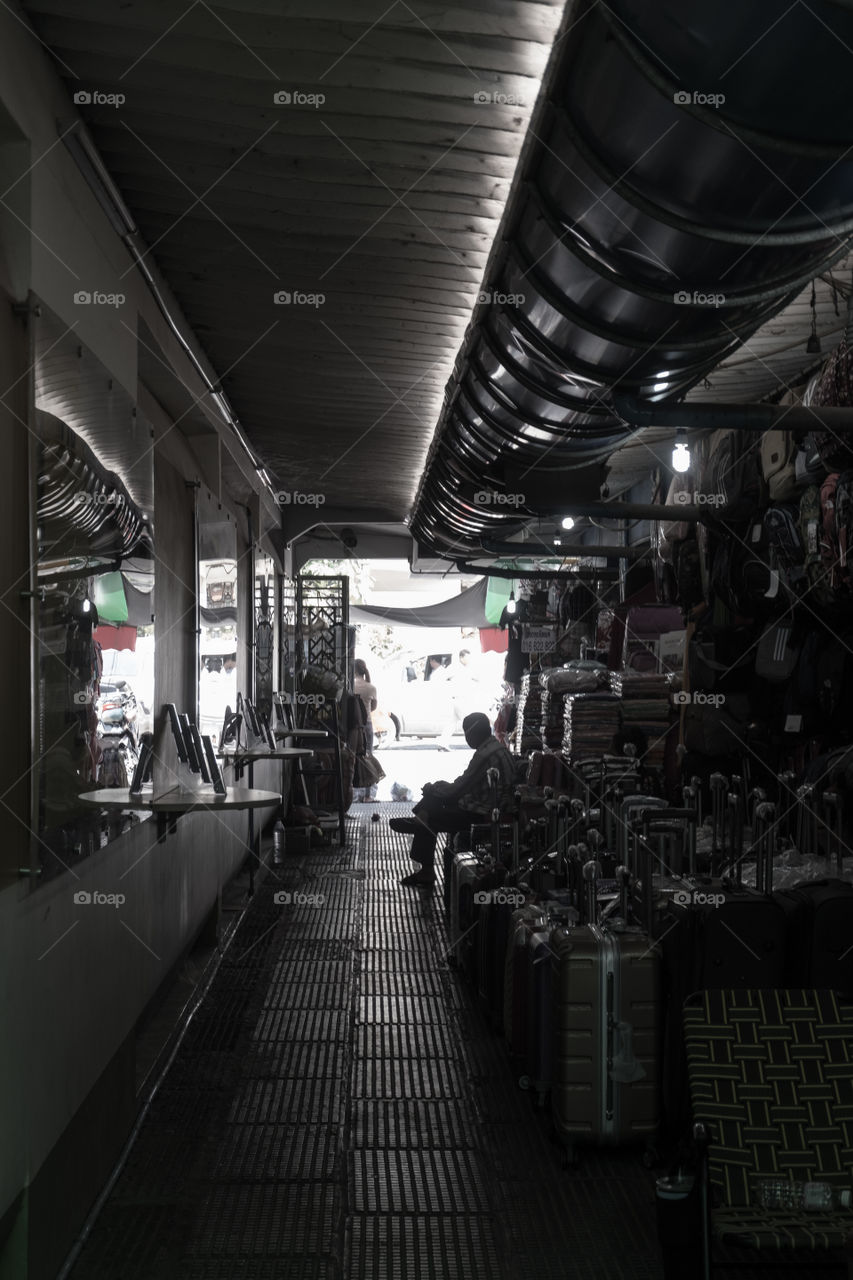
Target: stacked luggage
{"x":584,"y":945}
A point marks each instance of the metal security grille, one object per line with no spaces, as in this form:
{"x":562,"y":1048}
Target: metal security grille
{"x":287,"y":635}
{"x":322,"y":619}
{"x":264,"y":635}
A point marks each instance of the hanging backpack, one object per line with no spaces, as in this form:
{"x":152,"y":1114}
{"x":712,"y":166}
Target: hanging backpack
{"x":778,"y":465}
{"x":830,"y":551}
{"x":787,"y":554}
{"x":777,"y":653}
{"x":687,"y":567}
{"x":114,"y":768}
{"x":808,"y":464}
{"x":844,"y":521}
{"x":817,"y":590}
{"x":732,"y":474}
{"x":834,"y":386}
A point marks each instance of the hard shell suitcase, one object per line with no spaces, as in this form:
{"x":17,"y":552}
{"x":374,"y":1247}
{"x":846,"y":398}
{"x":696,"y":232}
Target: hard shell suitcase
{"x":715,"y":933}
{"x":605,"y":1012}
{"x":820,"y":935}
{"x":494,"y":926}
{"x":476,"y":881}
{"x":537,"y":980}
{"x":462,"y":869}
{"x":523,"y":924}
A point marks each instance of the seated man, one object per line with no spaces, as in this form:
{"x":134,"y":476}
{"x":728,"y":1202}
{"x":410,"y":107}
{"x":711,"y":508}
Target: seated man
{"x":453,"y":806}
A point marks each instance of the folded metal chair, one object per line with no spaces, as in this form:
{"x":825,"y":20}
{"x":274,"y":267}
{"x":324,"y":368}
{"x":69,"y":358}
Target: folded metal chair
{"x":771,"y":1083}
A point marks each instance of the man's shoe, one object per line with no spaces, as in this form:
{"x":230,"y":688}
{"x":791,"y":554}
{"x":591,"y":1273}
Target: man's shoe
{"x":419,"y":878}
{"x":407,"y":825}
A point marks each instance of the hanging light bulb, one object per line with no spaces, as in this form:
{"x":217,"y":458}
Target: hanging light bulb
{"x":568,"y":522}
{"x":510,"y":604}
{"x":87,"y":604}
{"x":813,"y":344}
{"x":680,"y":453}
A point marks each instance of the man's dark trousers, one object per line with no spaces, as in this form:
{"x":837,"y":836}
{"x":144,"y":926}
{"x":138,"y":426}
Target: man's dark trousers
{"x":432,"y":817}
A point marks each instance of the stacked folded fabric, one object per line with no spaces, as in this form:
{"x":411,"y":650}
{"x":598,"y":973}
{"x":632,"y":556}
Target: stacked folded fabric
{"x":529,"y":723}
{"x":553,"y":712}
{"x":591,"y":722}
{"x":646,"y":706}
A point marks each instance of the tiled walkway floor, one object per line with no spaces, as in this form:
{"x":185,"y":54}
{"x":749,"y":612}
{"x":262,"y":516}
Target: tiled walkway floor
{"x":339,"y":1110}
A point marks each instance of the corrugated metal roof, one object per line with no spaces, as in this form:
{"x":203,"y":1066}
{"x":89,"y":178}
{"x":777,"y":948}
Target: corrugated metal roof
{"x":382,"y":199}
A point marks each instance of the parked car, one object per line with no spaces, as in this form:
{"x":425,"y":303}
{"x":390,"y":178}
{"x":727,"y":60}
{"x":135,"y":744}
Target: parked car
{"x":412,"y":707}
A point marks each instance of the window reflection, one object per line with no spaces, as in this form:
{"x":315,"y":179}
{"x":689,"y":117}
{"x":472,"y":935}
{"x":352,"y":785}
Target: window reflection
{"x":218,"y":634}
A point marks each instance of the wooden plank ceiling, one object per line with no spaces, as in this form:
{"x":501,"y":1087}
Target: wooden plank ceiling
{"x":384,"y":198}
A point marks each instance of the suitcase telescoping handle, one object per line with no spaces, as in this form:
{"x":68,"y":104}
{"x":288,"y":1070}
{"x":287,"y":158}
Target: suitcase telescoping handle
{"x":832,"y":809}
{"x":493,"y":779}
{"x":765,"y":842}
{"x":591,"y":873}
{"x":719,"y":788}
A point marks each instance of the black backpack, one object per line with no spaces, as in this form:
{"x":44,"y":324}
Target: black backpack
{"x":733,"y":474}
{"x":787,"y":553}
{"x":687,"y":568}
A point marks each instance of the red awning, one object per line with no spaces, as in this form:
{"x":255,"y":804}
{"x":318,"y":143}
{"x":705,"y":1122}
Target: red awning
{"x":115,"y":637}
{"x":493,"y":639}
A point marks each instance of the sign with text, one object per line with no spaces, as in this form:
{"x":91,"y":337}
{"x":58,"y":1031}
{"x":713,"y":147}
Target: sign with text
{"x":538,"y":639}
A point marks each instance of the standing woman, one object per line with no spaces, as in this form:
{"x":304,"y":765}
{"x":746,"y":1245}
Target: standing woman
{"x":367,"y":692}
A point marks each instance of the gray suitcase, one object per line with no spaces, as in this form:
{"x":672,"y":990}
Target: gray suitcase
{"x":605,"y":1024}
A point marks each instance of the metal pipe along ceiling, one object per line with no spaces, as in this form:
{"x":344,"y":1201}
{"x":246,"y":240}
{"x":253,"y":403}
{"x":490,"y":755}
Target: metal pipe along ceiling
{"x":690,"y":176}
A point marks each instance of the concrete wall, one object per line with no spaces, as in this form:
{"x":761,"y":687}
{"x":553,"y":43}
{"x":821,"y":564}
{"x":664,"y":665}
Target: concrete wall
{"x":75,"y":978}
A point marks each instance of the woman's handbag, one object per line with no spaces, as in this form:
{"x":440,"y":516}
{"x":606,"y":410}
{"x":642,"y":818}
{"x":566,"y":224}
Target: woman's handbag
{"x":368,"y":771}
